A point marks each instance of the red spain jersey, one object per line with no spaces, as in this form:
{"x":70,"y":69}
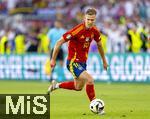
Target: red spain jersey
{"x":79,"y":39}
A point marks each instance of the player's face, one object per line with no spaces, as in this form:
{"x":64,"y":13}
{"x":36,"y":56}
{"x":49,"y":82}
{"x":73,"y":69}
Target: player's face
{"x":90,"y":20}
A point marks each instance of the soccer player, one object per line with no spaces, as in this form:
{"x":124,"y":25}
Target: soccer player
{"x":79,"y":39}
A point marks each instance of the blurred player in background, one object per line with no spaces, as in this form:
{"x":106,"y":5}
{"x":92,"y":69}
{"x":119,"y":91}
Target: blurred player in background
{"x":79,"y":39}
{"x":54,"y":34}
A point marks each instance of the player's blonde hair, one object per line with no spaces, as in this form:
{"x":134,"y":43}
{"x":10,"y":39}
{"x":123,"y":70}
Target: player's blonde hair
{"x":91,"y":11}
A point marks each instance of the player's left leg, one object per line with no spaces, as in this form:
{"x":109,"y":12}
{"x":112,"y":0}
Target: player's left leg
{"x":89,"y":84}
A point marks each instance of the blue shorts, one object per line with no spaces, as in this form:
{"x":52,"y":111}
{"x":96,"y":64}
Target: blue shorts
{"x":76,"y":68}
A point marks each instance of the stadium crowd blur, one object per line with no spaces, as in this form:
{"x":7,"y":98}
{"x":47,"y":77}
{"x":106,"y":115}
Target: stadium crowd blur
{"x":124,"y":24}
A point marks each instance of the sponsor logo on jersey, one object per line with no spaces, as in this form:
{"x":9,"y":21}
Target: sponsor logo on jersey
{"x":87,"y":39}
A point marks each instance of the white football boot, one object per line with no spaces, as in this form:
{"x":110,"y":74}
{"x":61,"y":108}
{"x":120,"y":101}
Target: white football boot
{"x":52,"y":87}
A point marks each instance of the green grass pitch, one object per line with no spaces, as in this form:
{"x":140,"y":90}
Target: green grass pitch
{"x":122,"y":100}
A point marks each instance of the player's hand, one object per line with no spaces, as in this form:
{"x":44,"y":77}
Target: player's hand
{"x":105,"y":65}
{"x":52,"y":63}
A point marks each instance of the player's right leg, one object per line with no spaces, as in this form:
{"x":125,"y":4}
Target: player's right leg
{"x":77,"y":84}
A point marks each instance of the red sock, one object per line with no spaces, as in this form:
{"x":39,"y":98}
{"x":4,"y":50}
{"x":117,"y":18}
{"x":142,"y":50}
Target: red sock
{"x":90,"y":91}
{"x":67,"y":85}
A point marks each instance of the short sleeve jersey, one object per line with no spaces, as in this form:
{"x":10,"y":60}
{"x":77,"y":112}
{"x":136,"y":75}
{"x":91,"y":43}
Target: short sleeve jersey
{"x":79,"y":39}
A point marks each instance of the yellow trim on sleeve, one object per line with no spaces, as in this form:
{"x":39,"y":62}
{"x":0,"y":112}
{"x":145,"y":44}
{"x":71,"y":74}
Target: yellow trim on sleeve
{"x":77,"y":30}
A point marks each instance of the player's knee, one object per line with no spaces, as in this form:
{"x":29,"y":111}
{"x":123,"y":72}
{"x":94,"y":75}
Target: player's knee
{"x":78,"y":89}
{"x":90,"y":81}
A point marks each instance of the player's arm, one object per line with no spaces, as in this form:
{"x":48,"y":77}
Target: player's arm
{"x":101,"y":52}
{"x":56,"y":50}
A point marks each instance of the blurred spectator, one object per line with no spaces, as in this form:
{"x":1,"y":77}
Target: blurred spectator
{"x":11,"y":4}
{"x":32,"y":41}
{"x":104,"y":40}
{"x":44,"y":42}
{"x":3,"y":8}
{"x":129,"y":8}
{"x":5,"y":47}
{"x":20,"y":43}
{"x":117,"y":13}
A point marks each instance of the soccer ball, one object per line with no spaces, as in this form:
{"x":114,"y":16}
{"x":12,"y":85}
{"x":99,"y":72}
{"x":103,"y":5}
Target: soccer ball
{"x":97,"y":106}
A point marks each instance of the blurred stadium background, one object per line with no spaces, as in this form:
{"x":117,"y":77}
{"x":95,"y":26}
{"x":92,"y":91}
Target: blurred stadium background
{"x":124,"y":26}
{"x":125,"y":33}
